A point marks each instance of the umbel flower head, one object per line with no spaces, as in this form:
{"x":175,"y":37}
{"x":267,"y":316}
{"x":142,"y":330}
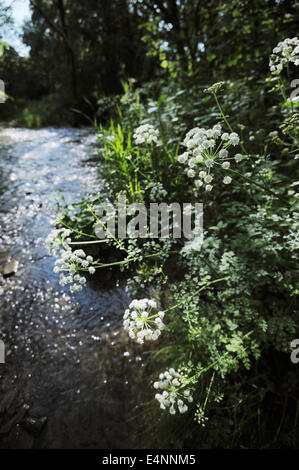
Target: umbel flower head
{"x":214,"y":88}
{"x":70,"y":262}
{"x":200,"y":417}
{"x":146,"y":133}
{"x":141,"y":322}
{"x":175,"y":391}
{"x":285,"y":52}
{"x":207,"y":148}
{"x":69,"y":265}
{"x":58,"y":240}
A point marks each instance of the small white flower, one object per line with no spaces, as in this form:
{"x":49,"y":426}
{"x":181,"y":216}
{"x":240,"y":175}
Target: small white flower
{"x":183,"y":157}
{"x":238,"y":157}
{"x":209,"y":163}
{"x":227,"y":180}
{"x":234,"y":139}
{"x":191,"y":173}
{"x":192,"y":162}
{"x":208,"y":178}
{"x":223,"y":153}
{"x":199,"y":158}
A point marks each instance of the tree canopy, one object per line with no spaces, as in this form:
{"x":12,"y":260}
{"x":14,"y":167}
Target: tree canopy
{"x":83,"y":51}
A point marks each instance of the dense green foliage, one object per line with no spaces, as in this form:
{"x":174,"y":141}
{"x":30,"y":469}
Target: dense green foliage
{"x":234,"y":301}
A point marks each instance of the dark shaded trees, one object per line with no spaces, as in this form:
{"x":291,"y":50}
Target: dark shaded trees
{"x":90,"y":46}
{"x":82,"y":51}
{"x":222,"y":38}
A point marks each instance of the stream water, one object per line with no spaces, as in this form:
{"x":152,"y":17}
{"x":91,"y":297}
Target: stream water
{"x":71,"y":379}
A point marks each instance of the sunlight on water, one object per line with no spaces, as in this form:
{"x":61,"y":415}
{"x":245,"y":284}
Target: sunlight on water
{"x":66,"y":356}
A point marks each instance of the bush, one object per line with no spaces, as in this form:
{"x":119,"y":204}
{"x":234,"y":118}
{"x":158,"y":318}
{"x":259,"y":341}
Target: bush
{"x":230,"y":307}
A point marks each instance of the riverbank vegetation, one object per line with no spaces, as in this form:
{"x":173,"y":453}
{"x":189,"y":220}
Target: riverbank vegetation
{"x":197,"y":104}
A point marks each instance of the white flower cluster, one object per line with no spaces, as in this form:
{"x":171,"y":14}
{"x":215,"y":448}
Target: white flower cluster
{"x":71,"y":262}
{"x":200,"y":417}
{"x":286,"y":51}
{"x":58,"y":240}
{"x":146,"y":134}
{"x":157,"y":193}
{"x":175,"y":391}
{"x":206,"y":148}
{"x":140,"y":323}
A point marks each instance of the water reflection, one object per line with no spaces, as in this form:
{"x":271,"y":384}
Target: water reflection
{"x":67,"y":358}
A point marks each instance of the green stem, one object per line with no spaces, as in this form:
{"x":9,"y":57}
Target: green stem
{"x":205,"y":369}
{"x":208,"y":392}
{"x":226,"y":121}
{"x":118,"y":243}
{"x":76,"y":231}
{"x":222,"y":113}
{"x":256,"y":184}
{"x":126,"y":261}
{"x":89,"y":242}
